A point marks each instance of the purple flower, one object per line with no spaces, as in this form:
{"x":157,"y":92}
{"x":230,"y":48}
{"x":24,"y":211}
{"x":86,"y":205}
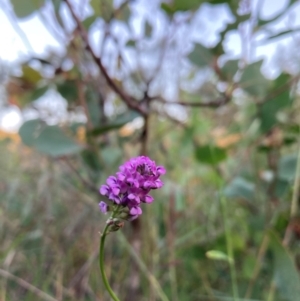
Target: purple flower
{"x":103,"y":207}
{"x":131,"y":185}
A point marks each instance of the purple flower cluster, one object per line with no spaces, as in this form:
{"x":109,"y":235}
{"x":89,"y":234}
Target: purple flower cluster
{"x":131,"y":185}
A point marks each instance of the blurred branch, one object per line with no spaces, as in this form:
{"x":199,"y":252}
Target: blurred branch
{"x":130,"y":101}
{"x":27,"y":285}
{"x":144,"y":136}
{"x":212,"y":104}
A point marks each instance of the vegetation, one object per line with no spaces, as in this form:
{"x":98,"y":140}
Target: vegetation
{"x":136,"y":80}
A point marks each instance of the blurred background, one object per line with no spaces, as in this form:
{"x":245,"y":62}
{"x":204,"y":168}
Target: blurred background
{"x":207,"y":88}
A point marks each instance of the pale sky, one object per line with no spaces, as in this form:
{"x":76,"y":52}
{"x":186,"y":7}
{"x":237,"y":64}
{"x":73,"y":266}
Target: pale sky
{"x":14,"y":48}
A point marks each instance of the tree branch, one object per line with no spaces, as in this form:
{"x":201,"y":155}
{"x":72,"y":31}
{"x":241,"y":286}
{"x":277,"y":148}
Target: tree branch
{"x":130,"y":101}
{"x":212,"y":104}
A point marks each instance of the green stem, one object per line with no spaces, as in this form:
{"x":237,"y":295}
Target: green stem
{"x":229,"y":250}
{"x":294,"y":205}
{"x":101,"y":260}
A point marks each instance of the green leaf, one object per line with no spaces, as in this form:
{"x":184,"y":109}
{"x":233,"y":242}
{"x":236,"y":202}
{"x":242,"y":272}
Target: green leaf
{"x":30,"y":130}
{"x":89,"y":21}
{"x":286,"y":276}
{"x":240,"y":188}
{"x":103,"y":9}
{"x":130,"y":43}
{"x":201,"y":56}
{"x":68,"y":90}
{"x":49,"y":140}
{"x":53,"y":141}
{"x":218,"y":255}
{"x":269,"y":109}
{"x":38,"y":92}
{"x":230,"y":69}
{"x":282,"y":187}
{"x":24,"y":8}
{"x":253,"y":81}
{"x":116,"y":123}
{"x":30,"y":75}
{"x":210,"y":154}
{"x":167,"y":8}
{"x":124,"y":13}
{"x":148,"y":29}
{"x":96,"y":6}
{"x":185,"y":5}
{"x":287,"y":167}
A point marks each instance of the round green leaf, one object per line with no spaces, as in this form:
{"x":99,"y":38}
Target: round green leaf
{"x":24,"y":8}
{"x":210,"y":154}
{"x":30,"y":130}
{"x":53,"y":141}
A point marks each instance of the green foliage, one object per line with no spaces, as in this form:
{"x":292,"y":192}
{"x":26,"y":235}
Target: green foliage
{"x":25,"y":8}
{"x":210,"y":154}
{"x":30,"y":130}
{"x":218,"y":255}
{"x":50,"y":140}
{"x":286,"y":276}
{"x":278,"y":99}
{"x":148,"y":29}
{"x":287,"y":167}
{"x":240,"y":188}
{"x":253,"y":82}
{"x":30,"y":75}
{"x":201,"y":56}
{"x":229,"y":70}
{"x":68,"y":90}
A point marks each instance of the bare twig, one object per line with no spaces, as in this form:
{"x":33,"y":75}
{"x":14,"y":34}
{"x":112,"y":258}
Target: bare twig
{"x":129,"y":100}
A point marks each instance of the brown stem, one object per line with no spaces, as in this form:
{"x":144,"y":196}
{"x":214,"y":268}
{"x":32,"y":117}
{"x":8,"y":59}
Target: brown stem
{"x":130,"y":101}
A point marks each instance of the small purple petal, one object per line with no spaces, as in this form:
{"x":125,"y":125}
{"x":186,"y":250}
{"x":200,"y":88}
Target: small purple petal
{"x":160,"y":170}
{"x":149,"y":185}
{"x":111,"y":181}
{"x":148,"y":199}
{"x":115,"y":190}
{"x":104,"y":190}
{"x":121,"y":176}
{"x":103,"y":207}
{"x":131,"y":196}
{"x":135,"y":211}
{"x":158,"y":183}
